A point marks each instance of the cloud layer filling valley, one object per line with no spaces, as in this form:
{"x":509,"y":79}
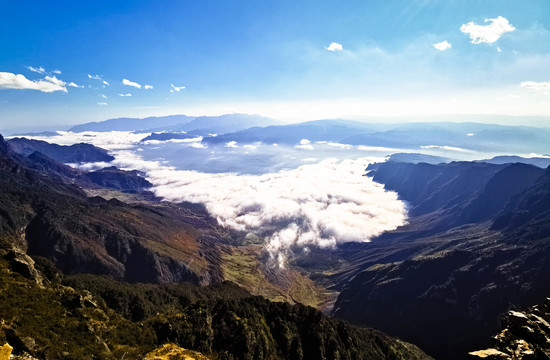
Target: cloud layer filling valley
{"x":319,"y":204}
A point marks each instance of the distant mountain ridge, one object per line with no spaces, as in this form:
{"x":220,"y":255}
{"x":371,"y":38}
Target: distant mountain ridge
{"x":205,"y":125}
{"x":132,"y":124}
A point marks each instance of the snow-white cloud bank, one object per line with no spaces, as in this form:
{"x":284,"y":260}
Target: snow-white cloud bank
{"x":321,"y":204}
{"x":318,"y":204}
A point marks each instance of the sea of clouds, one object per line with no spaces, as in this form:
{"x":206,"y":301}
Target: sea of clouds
{"x":320,"y":202}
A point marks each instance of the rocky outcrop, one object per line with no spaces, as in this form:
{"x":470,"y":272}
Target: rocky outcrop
{"x":174,"y":352}
{"x":526,"y":336}
{"x":24,"y":265}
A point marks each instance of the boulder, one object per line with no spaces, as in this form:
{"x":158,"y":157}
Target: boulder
{"x":489,"y":354}
{"x":23,"y":264}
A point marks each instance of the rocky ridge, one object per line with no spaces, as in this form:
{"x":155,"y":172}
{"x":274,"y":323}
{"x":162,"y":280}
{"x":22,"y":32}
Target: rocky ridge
{"x":525,"y":336}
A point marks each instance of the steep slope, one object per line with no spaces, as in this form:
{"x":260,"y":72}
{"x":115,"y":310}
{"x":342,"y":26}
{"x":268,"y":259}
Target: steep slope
{"x":445,"y":288}
{"x":92,"y":317}
{"x":459,"y":192}
{"x":132,"y":242}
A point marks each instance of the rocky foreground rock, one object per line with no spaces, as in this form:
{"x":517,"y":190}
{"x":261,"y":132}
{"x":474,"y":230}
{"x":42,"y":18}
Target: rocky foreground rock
{"x":525,"y":336}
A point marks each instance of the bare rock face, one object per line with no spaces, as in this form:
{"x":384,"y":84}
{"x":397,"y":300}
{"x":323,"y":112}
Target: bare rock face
{"x":23,"y":264}
{"x":489,"y":354}
{"x":526,"y":336}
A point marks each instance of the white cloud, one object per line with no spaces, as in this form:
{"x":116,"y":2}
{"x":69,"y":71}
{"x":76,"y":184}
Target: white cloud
{"x":125,"y":94}
{"x":102,"y":103}
{"x":487,"y":33}
{"x":112,"y":140}
{"x":499,"y":49}
{"x":442,"y":46}
{"x":72,"y":84}
{"x":334,"y":46}
{"x":445,"y":148}
{"x":48,"y":84}
{"x":534,"y":85}
{"x":338,"y":145}
{"x":176,"y":88}
{"x":304,"y":144}
{"x":39,"y":69}
{"x":147,"y":87}
{"x":103,"y":96}
{"x":131,"y":83}
{"x":58,"y":72}
{"x":320,"y":204}
{"x":100,"y":78}
{"x":231,"y":144}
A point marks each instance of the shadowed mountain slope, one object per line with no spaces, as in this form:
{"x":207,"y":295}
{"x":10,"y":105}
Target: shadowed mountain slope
{"x":478,"y":242}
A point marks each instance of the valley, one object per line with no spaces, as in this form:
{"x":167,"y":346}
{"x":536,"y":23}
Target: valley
{"x":475,"y":243}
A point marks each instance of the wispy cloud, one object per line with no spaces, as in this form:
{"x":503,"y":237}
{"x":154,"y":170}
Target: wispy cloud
{"x":72,"y":84}
{"x":131,"y":83}
{"x":487,"y":33}
{"x":102,"y":103}
{"x":442,"y":46}
{"x":48,"y":84}
{"x":176,"y":88}
{"x":147,"y":87}
{"x":334,"y":46}
{"x":103,"y":96}
{"x":39,"y":69}
{"x":125,"y":94}
{"x":100,"y":78}
{"x":533,"y":85}
{"x":58,"y":72}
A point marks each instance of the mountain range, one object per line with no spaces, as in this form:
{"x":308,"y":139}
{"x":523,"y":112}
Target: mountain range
{"x":475,"y":245}
{"x":69,"y":264}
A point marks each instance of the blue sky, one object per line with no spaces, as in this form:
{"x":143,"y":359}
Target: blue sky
{"x":64,"y":62}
